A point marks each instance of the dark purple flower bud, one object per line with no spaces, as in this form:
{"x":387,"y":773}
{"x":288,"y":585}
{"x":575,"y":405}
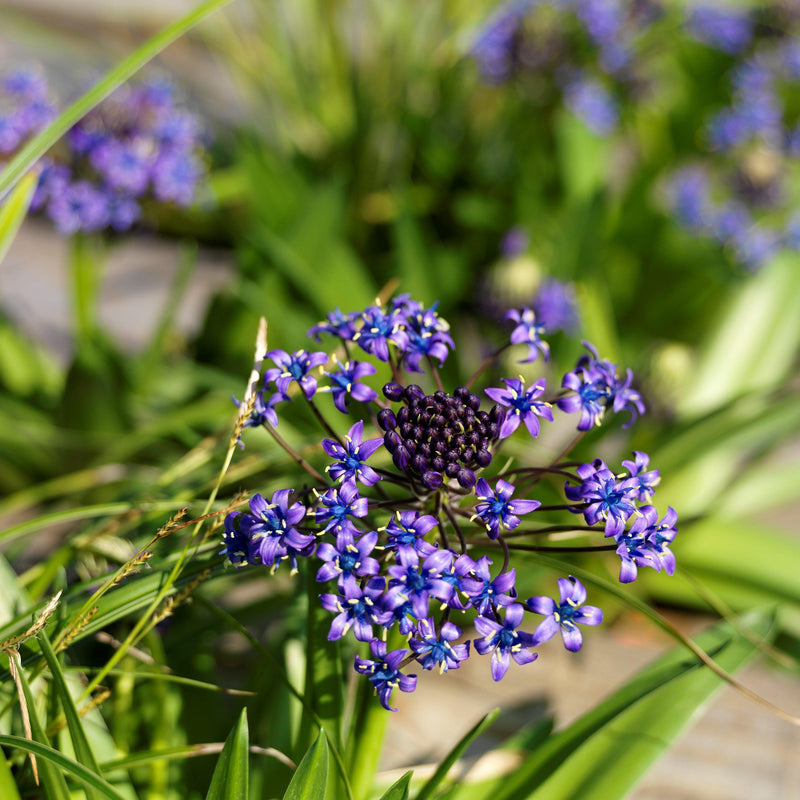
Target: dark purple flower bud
{"x":483,"y":457}
{"x":433,"y":480}
{"x":387,"y":419}
{"x":413,"y":392}
{"x":419,"y":463}
{"x":391,"y":441}
{"x":451,"y":469}
{"x":401,"y":458}
{"x":466,"y":478}
{"x":393,"y":391}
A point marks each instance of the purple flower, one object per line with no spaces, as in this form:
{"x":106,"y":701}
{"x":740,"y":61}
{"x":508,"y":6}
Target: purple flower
{"x":590,"y":396}
{"x":338,"y":324}
{"x":25,"y":83}
{"x":53,"y":180}
{"x":357,"y":608}
{"x":125,"y":165}
{"x":646,"y":544}
{"x":427,"y":336}
{"x":566,"y":615}
{"x":556,"y":306}
{"x":123,"y":211}
{"x":756,"y":246}
{"x":384,"y":672}
{"x":726,"y":27}
{"x":262,"y":412}
{"x":606,"y":497}
{"x":378,"y":329}
{"x":405,"y":532}
{"x":238,"y":545}
{"x":493,"y":47}
{"x":483,"y":593}
{"x":434,"y":649}
{"x":295,"y":367}
{"x":345,"y":384}
{"x":648,"y":480}
{"x":175,"y":177}
{"x":523,"y":405}
{"x":81,"y":206}
{"x":593,"y":104}
{"x":338,"y":505}
{"x":688,"y":196}
{"x":503,"y":641}
{"x":596,"y":386}
{"x":351,"y":465}
{"x":514,"y":242}
{"x":418,"y":583}
{"x":497,"y":509}
{"x":348,"y":560}
{"x":528,"y":332}
{"x":271,"y":528}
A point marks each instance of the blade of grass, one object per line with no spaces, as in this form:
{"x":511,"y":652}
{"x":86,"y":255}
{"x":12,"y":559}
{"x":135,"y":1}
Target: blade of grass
{"x":230,"y":778}
{"x":54,"y":759}
{"x":52,"y":779}
{"x":310,"y":781}
{"x":399,"y":789}
{"x":13,"y":212}
{"x":447,"y":762}
{"x":83,"y":750}
{"x":41,"y":143}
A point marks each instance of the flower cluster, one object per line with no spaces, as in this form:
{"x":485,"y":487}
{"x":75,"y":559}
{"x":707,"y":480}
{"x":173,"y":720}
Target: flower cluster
{"x":610,"y":499}
{"x":25,"y":108}
{"x":590,"y":50}
{"x":405,"y":534}
{"x":138,"y":145}
{"x":740,"y":197}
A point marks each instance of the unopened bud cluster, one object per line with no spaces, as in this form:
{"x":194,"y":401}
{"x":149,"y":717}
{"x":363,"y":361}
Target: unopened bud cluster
{"x":439,"y":435}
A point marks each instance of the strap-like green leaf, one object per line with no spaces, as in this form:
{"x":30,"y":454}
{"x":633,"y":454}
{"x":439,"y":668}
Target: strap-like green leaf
{"x":447,"y":762}
{"x":8,"y":786}
{"x":310,"y":781}
{"x":83,"y":751}
{"x":51,"y":777}
{"x":399,"y":789}
{"x":230,"y":780}
{"x":51,"y":761}
{"x":13,"y":211}
{"x":40,"y":144}
{"x":586,"y":761}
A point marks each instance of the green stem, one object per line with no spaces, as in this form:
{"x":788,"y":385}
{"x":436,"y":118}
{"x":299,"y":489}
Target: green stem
{"x":85,"y":264}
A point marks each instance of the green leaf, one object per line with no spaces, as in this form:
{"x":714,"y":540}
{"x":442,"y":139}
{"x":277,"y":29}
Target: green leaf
{"x":323,"y":678}
{"x":84,"y":512}
{"x":8,"y":786}
{"x":52,"y":759}
{"x":13,"y":211}
{"x":51,"y":777}
{"x":586,"y":761}
{"x":399,"y":789}
{"x":231,"y":774}
{"x":745,"y":563}
{"x":754,"y":342}
{"x":583,"y":156}
{"x":14,"y":170}
{"x":83,"y":751}
{"x":413,"y":257}
{"x":310,"y":781}
{"x":447,"y":762}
